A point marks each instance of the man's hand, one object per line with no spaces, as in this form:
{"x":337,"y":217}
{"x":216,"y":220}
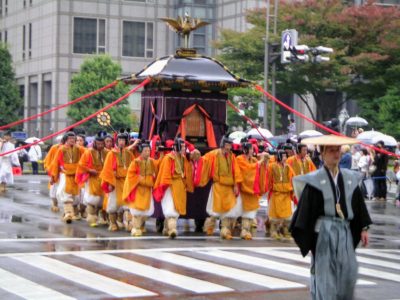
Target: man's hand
{"x":93,"y":172}
{"x":364,"y":238}
{"x":236,"y":189}
{"x":263,"y":158}
{"x":195,"y":155}
{"x":135,"y":143}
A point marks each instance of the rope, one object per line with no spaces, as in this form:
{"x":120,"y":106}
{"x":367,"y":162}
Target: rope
{"x":268,"y":95}
{"x":93,"y":115}
{"x":108,"y":86}
{"x":248,"y":120}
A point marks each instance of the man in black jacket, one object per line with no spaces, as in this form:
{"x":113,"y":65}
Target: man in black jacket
{"x":381,"y":163}
{"x":330,"y":221}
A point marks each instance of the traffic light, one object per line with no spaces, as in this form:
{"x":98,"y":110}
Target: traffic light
{"x":317,"y":51}
{"x":291,"y":52}
{"x":300,"y":53}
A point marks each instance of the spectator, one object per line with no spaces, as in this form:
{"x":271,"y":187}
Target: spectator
{"x":291,"y":128}
{"x":380,"y":163}
{"x":355,"y":158}
{"x":23,"y":157}
{"x":35,"y":154}
{"x":398,"y":148}
{"x":364,"y":163}
{"x":345,"y":161}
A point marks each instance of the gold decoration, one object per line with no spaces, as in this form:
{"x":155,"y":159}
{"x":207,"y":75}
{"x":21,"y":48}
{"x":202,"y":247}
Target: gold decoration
{"x":339,"y":211}
{"x":184,"y":26}
{"x":104,"y":119}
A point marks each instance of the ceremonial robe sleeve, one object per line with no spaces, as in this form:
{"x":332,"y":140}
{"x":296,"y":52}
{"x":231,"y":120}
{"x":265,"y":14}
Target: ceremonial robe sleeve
{"x":84,"y":165}
{"x":361,"y":217}
{"x":302,"y":227}
{"x":107,"y":175}
{"x":54,"y":167}
{"x":164,"y":178}
{"x":131,"y":182}
{"x":207,"y":168}
{"x":238,"y":177}
{"x":49,"y":157}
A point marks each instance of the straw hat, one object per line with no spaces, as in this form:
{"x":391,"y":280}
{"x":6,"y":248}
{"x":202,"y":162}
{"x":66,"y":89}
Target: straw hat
{"x":329,"y":140}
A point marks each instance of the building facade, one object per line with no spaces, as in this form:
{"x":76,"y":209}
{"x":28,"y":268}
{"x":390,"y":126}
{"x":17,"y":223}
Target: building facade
{"x":49,"y":39}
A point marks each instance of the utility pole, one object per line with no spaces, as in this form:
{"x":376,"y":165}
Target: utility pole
{"x":266,"y":64}
{"x":273,"y":109}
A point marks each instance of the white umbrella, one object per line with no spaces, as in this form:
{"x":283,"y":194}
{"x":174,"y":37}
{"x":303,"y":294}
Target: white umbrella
{"x":59,"y":138}
{"x":356,"y":121}
{"x":367,"y":136}
{"x":387,"y":139}
{"x":237,"y":141}
{"x":33,"y":139}
{"x":237,"y":135}
{"x":309,"y":133}
{"x":254,"y":133}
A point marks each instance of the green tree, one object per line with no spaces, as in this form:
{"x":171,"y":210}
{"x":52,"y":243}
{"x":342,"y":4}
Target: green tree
{"x":96,"y":72}
{"x":250,"y":99}
{"x":388,"y":106}
{"x":11,"y":103}
{"x":366,"y":40}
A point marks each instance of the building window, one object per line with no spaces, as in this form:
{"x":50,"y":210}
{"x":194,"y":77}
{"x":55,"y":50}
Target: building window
{"x":1,"y":8}
{"x":1,"y":38}
{"x":23,"y":41}
{"x":6,"y":7}
{"x":101,"y":44}
{"x":89,"y":35}
{"x":30,"y":40}
{"x":24,"y":3}
{"x":138,"y":39}
{"x":5,"y":36}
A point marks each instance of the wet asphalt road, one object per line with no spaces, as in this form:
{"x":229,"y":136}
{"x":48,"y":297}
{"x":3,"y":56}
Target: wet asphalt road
{"x":30,"y":233}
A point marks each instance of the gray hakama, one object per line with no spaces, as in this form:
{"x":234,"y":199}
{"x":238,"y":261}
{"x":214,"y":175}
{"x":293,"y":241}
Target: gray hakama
{"x":316,"y":226}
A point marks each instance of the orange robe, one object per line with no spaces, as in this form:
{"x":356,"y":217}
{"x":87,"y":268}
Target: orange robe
{"x":114,"y":172}
{"x":139,"y":183}
{"x":280,"y":192}
{"x":49,"y":160}
{"x":174,"y":173}
{"x":251,"y":186}
{"x":225,"y":173}
{"x":50,"y":156}
{"x":66,"y":161}
{"x":91,"y":160}
{"x":301,"y":166}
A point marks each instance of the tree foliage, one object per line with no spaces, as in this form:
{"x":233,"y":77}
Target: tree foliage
{"x":96,"y":72}
{"x":366,"y":41}
{"x":11,"y":103}
{"x":250,"y":99}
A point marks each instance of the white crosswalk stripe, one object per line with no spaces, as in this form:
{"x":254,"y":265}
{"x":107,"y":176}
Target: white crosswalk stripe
{"x":83,"y":277}
{"x":28,"y":289}
{"x":361,"y":270}
{"x":184,"y":282}
{"x":233,"y":273}
{"x":182,"y":270}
